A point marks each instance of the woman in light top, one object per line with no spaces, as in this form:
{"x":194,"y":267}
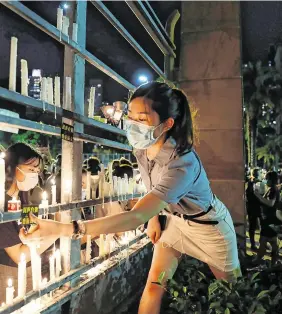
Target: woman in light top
{"x":160,"y":129}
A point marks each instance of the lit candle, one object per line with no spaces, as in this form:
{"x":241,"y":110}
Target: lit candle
{"x":60,"y":14}
{"x":50,"y":90}
{"x":52,"y":267}
{"x":74,"y":32}
{"x":101,"y":183}
{"x":54,"y":192}
{"x":24,"y":78}
{"x":88,"y":249}
{"x":10,"y":292}
{"x":66,"y":24}
{"x":68,"y":93}
{"x":88,"y":185}
{"x":115,"y":185}
{"x":13,"y":64}
{"x":14,"y":205}
{"x":44,"y":201}
{"x":91,"y":102}
{"x":126,"y":182}
{"x":57,"y":91}
{"x":2,"y":181}
{"x":44,"y":89}
{"x":58,"y":263}
{"x":22,"y":277}
{"x":119,"y":188}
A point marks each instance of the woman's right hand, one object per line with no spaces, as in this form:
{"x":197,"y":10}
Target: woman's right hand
{"x":154,"y":229}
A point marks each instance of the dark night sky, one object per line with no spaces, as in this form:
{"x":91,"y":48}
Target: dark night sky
{"x":261,"y":26}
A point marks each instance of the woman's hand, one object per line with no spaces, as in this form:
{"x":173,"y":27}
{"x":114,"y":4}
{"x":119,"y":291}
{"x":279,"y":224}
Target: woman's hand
{"x":44,"y":229}
{"x":154,"y":229}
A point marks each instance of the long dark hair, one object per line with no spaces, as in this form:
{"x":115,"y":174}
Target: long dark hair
{"x":170,"y":102}
{"x":17,"y":154}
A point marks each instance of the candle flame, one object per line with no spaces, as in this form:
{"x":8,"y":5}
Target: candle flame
{"x":57,"y":253}
{"x":10,"y":283}
{"x":3,"y":304}
{"x":14,"y":199}
{"x":2,"y":155}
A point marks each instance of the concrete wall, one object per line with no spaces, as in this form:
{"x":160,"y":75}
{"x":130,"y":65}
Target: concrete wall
{"x":112,"y":291}
{"x":210,"y":74}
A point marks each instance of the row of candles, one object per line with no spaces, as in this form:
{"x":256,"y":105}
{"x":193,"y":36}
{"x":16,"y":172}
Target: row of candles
{"x":107,"y":243}
{"x":50,"y":89}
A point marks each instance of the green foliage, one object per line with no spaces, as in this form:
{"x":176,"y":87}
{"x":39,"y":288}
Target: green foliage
{"x":193,"y":292}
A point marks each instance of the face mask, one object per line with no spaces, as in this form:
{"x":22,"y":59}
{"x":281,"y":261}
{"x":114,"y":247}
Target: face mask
{"x":140,"y":136}
{"x":30,"y":181}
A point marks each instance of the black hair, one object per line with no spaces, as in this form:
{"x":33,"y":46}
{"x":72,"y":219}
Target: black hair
{"x":93,"y":165}
{"x":168,"y":103}
{"x":115,"y":164}
{"x":273,"y":177}
{"x":84,"y":171}
{"x":255,"y":173}
{"x":17,"y":154}
{"x":124,"y":161}
{"x":122,"y":170}
{"x":135,"y":165}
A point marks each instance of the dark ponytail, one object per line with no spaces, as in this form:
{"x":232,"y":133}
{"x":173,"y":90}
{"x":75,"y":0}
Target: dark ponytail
{"x":170,"y":103}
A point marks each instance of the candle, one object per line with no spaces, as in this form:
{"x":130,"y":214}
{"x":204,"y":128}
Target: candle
{"x":57,"y":91}
{"x":66,"y":24}
{"x":119,"y":187}
{"x":52,"y":267}
{"x":68,"y":93}
{"x":14,"y":205}
{"x":68,"y":190}
{"x":102,"y":245}
{"x":50,"y":90}
{"x":74,"y":32}
{"x":88,"y":185}
{"x":10,"y":292}
{"x":91,"y":102}
{"x":35,"y":267}
{"x":115,"y":185}
{"x":44,"y":89}
{"x":126,"y":183}
{"x":54,"y":192}
{"x":2,"y":181}
{"x":58,"y":263}
{"x":88,"y":249}
{"x":22,"y":277}
{"x":24,"y":77}
{"x":13,"y":64}
{"x":60,"y":14}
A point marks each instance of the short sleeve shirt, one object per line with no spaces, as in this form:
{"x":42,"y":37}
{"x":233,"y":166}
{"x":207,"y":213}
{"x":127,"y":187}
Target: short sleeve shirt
{"x":180,"y":181}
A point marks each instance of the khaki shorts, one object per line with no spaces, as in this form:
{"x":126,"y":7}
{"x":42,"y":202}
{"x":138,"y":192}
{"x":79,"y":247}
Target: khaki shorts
{"x":215,"y":245}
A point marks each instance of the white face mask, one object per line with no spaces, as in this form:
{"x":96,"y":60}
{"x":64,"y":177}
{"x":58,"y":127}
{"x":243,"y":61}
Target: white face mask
{"x":29,"y":182}
{"x":141,"y":136}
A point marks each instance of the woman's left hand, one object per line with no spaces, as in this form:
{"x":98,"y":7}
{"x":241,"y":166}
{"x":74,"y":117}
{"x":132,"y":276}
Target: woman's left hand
{"x":45,"y":229}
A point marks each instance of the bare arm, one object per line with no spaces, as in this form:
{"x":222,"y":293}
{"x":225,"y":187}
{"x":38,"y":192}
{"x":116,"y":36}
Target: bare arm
{"x":264,"y":201}
{"x":147,"y":207}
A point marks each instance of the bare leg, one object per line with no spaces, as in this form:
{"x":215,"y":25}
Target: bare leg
{"x":164,"y":260}
{"x":226,"y":275}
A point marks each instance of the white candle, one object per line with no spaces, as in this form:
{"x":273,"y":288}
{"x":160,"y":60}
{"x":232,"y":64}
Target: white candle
{"x":126,"y":182}
{"x":22,"y":277}
{"x":58,"y":263}
{"x":44,"y":89}
{"x":57,"y":91}
{"x":10,"y":292}
{"x":68,"y":93}
{"x":35,"y":267}
{"x":60,"y":14}
{"x":115,"y":185}
{"x":24,"y":78}
{"x":52,"y":267}
{"x":91,"y":102}
{"x":54,"y":192}
{"x":2,"y":181}
{"x":119,"y":188}
{"x":88,"y":185}
{"x":102,"y":245}
{"x":68,"y":190}
{"x":66,"y":24}
{"x":88,"y":249}
{"x":74,"y":32}
{"x":13,"y":64}
{"x":50,"y":90}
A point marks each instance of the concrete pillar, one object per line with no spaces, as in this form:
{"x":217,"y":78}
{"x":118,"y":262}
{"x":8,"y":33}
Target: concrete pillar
{"x":210,"y":74}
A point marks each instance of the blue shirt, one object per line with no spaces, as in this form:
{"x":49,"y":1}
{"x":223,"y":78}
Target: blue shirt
{"x":180,"y":181}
